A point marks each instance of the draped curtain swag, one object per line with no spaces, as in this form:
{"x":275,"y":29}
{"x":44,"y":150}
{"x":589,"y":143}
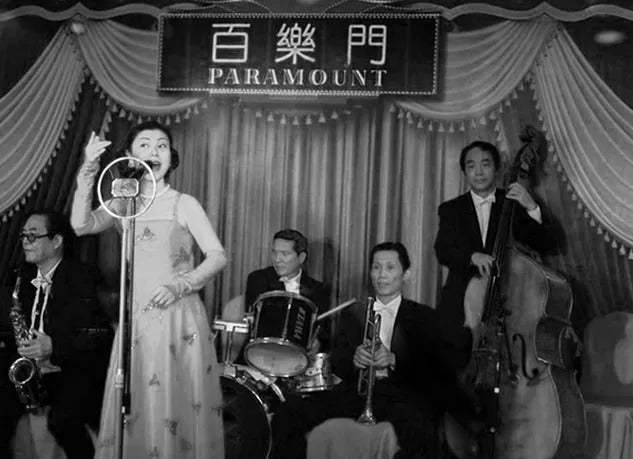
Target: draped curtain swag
{"x":589,"y":128}
{"x":33,"y":117}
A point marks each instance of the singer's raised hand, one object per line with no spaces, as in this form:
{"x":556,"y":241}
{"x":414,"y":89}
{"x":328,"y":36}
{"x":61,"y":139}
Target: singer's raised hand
{"x":95,"y":147}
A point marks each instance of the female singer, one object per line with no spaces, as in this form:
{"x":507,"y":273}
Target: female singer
{"x":176,"y":408}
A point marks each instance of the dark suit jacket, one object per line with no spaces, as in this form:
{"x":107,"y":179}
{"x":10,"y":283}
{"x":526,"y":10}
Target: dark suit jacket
{"x":425,"y":352}
{"x":458,"y":237}
{"x":80,"y":332}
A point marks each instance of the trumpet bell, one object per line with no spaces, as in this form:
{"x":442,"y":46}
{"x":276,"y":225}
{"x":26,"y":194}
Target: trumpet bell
{"x":367,"y":417}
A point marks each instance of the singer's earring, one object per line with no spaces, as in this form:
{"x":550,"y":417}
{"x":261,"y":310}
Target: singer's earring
{"x":130,"y":163}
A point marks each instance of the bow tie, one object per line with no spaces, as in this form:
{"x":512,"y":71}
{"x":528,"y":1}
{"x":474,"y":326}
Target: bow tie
{"x":285,"y":280}
{"x":39,"y":282}
{"x":382,"y":309}
{"x":488,"y":199}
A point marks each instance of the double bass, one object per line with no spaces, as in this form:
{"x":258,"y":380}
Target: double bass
{"x":521,"y":372}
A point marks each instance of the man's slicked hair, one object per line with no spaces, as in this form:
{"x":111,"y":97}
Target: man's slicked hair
{"x":485,"y":146}
{"x":398,"y":247}
{"x":300,"y":241}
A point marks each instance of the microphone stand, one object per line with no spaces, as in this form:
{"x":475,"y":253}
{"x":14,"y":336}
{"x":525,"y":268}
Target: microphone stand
{"x":128,"y":190}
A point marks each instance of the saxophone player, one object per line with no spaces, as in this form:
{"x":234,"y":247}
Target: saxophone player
{"x":410,"y":358}
{"x":69,"y":335}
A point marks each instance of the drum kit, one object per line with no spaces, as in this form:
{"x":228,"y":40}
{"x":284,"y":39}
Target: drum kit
{"x":282,"y":327}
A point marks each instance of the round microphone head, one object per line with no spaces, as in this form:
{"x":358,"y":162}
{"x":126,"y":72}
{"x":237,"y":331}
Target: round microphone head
{"x":131,"y":169}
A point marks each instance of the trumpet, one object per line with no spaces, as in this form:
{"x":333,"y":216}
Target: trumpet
{"x":367,"y":376}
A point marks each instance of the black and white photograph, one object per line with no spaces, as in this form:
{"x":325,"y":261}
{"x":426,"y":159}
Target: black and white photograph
{"x":316,"y":229}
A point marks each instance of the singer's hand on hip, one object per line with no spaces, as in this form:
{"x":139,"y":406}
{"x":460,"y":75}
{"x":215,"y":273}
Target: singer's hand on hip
{"x":163,"y":296}
{"x":95,"y":147}
{"x":40,"y":347}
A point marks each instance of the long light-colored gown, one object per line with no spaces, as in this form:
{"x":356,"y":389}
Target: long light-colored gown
{"x":176,"y":407}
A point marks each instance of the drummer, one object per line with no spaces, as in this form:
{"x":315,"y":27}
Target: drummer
{"x":288,"y":256}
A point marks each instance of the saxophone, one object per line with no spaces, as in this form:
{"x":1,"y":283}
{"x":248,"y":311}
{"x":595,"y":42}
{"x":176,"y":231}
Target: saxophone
{"x":24,"y":372}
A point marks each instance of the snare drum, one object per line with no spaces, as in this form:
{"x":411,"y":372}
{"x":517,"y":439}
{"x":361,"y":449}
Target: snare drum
{"x":281,"y":334}
{"x":249,"y":400}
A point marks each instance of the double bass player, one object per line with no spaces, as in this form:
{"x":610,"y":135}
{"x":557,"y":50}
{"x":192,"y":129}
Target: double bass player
{"x":522,"y":397}
{"x":468,"y":225}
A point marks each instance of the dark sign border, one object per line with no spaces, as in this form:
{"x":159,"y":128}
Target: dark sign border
{"x":302,"y":92}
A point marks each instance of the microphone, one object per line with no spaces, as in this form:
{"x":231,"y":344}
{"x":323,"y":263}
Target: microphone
{"x":132,"y":170}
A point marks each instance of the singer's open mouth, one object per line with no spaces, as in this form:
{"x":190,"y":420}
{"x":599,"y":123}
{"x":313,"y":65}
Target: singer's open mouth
{"x":155,"y":165}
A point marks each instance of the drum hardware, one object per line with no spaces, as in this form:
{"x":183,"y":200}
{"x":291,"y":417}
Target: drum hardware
{"x":243,"y":327}
{"x":318,"y":375}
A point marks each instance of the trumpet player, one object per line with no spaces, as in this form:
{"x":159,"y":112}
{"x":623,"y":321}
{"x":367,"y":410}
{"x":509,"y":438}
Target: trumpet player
{"x":67,"y":337}
{"x":411,"y":356}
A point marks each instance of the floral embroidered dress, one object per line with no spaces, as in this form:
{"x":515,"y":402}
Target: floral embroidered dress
{"x":176,"y":407}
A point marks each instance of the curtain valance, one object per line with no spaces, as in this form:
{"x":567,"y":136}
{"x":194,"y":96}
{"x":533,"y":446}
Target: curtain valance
{"x":482,"y":69}
{"x":590,"y":130}
{"x":33,"y":117}
{"x":123,"y":62}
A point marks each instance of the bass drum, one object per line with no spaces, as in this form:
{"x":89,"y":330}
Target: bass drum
{"x":250,"y":399}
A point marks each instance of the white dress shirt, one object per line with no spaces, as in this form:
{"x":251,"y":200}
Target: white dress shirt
{"x":292,"y":284}
{"x":483,"y":204}
{"x":43,"y":283}
{"x":388,"y":313}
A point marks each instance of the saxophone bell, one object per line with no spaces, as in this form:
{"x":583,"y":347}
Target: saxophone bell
{"x":25,"y":376}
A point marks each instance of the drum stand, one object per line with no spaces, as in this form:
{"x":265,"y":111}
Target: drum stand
{"x":243,"y":327}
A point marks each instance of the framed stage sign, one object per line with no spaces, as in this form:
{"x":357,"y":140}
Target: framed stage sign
{"x":299,"y":54}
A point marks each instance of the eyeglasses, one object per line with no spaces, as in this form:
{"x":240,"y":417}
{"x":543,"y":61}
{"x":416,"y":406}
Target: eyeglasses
{"x":32,"y":237}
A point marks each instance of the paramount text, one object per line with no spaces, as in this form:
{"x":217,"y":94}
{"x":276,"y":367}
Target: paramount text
{"x":232,"y":76}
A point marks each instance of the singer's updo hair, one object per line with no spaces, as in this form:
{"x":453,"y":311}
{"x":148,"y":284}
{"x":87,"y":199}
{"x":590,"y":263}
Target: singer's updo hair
{"x":153,"y":126}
